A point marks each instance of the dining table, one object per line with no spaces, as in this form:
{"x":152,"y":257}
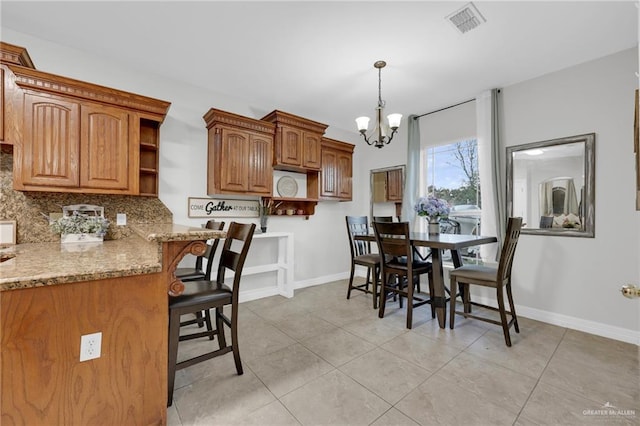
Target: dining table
{"x":438,"y":243}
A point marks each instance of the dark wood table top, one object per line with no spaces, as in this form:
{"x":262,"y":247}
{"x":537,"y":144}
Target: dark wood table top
{"x":441,"y":241}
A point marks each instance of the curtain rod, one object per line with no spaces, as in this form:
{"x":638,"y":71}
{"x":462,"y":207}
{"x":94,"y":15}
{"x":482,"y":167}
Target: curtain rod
{"x":442,"y":109}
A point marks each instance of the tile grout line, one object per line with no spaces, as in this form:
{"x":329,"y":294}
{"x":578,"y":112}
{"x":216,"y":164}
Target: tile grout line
{"x":564,"y":333}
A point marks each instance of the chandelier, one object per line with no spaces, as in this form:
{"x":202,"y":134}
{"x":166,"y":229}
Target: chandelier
{"x":381,"y":130}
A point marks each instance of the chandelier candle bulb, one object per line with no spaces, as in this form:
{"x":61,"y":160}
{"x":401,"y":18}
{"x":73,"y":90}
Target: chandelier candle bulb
{"x":362,"y":123}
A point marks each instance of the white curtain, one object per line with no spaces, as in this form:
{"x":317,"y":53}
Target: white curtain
{"x":412,"y":178}
{"x":493,"y":217}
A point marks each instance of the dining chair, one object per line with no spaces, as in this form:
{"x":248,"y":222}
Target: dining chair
{"x":494,"y":277}
{"x":546,"y":222}
{"x":207,"y":294}
{"x":361,"y":255}
{"x":398,"y":275}
{"x":449,"y":226}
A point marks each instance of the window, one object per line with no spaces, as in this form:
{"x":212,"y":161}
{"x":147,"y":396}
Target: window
{"x":453,"y":175}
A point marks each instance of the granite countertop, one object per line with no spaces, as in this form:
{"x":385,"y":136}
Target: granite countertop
{"x":42,"y":264}
{"x":164,"y":232}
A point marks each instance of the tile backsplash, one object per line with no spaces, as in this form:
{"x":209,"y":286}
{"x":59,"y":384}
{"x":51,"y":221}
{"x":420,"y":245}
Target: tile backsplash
{"x":29,"y":207}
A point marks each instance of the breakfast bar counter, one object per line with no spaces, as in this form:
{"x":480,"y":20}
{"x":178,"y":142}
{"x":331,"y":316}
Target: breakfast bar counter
{"x":43,"y":264}
{"x":53,"y":294}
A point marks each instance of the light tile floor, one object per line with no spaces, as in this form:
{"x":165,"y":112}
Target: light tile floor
{"x":319,"y":359}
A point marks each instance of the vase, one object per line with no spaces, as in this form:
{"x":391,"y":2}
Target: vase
{"x":263,"y":223}
{"x":434,"y":226}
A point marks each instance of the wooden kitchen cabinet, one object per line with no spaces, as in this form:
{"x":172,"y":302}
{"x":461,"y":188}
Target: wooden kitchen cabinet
{"x":388,"y":186}
{"x":240,"y":153}
{"x":67,"y":144}
{"x":337,"y":170}
{"x":394,"y":185}
{"x":72,"y":136}
{"x":9,"y":54}
{"x":297,"y":144}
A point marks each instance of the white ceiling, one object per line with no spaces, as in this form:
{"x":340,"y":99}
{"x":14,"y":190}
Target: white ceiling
{"x":315,"y":59}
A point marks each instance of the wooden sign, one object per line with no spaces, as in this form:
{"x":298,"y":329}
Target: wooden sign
{"x":216,"y":207}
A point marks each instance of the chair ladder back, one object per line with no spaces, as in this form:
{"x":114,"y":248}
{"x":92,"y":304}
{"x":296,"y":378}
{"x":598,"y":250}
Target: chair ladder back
{"x":358,"y":225}
{"x":393,"y":239}
{"x":211,"y":248}
{"x":234,"y":260}
{"x":514,"y":225}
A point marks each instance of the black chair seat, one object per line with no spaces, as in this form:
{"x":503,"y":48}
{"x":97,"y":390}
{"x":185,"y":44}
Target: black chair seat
{"x":201,"y":292}
{"x":367,"y":259}
{"x":419,"y":266}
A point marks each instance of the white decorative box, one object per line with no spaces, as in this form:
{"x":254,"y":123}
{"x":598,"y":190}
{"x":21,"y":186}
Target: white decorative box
{"x":81,"y":238}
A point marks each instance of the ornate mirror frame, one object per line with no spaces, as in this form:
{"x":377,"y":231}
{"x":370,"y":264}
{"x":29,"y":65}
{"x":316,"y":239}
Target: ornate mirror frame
{"x":539,"y":171}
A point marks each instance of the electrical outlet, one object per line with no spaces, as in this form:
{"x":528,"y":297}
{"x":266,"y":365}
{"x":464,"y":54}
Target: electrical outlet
{"x":90,"y":346}
{"x":121,"y":219}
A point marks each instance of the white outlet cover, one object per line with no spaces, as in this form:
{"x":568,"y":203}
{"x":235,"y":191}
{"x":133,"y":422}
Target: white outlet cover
{"x":90,"y":346}
{"x":121,"y":219}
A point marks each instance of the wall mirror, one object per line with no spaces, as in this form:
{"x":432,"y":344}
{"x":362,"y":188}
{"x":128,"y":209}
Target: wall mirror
{"x":551,"y":185}
{"x":387,"y":189}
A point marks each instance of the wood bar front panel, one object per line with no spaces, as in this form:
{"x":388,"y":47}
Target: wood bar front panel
{"x":42,"y":380}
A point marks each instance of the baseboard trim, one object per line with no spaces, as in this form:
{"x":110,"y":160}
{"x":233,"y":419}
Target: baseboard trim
{"x":574,"y":323}
{"x":321,"y":280}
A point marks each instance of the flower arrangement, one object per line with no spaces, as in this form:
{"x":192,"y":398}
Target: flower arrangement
{"x":432,"y":207}
{"x":80,"y":223}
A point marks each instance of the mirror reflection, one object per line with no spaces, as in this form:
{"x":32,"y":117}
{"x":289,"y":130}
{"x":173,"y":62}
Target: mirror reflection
{"x":387,"y":189}
{"x":550,"y":185}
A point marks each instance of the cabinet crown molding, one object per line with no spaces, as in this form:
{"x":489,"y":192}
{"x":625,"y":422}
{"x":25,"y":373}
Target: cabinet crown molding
{"x":216,"y":116}
{"x":11,"y":54}
{"x":332,"y":143}
{"x":29,"y":78}
{"x":287,"y":119}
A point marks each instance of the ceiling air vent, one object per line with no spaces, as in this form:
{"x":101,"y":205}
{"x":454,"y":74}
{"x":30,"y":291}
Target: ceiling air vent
{"x":466,"y":18}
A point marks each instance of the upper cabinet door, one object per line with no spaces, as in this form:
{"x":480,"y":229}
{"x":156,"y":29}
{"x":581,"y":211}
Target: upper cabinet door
{"x":259,"y":164}
{"x":337,"y":170}
{"x":234,"y":151}
{"x":329,"y":173}
{"x":394,"y":185}
{"x":50,"y":155}
{"x":105,"y":148}
{"x":311,"y":151}
{"x":291,"y":146}
{"x":345,"y":173}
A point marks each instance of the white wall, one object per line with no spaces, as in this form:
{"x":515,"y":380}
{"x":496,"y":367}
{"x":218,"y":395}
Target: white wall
{"x":568,"y":281}
{"x":448,"y":126}
{"x":576,"y":281}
